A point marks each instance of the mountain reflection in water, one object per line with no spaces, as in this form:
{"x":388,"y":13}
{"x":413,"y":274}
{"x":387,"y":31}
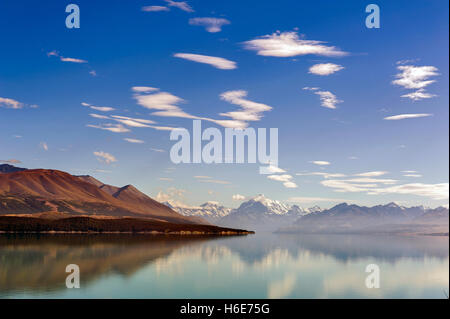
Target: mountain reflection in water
{"x":255,"y":266}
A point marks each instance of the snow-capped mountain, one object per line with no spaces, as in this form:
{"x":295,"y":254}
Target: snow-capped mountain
{"x":389,"y":218}
{"x":258,"y":213}
{"x":262,"y":213}
{"x":211,"y":211}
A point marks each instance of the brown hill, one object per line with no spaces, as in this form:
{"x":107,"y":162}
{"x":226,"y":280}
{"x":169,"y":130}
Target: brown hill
{"x":41,"y":190}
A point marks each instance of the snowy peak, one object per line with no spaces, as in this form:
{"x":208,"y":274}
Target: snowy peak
{"x":262,"y":204}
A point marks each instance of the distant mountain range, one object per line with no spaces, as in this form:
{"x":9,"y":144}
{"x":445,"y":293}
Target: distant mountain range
{"x":390,"y":218}
{"x":263,"y":214}
{"x":259,"y":213}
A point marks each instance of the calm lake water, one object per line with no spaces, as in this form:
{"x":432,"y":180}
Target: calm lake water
{"x":254,"y":266}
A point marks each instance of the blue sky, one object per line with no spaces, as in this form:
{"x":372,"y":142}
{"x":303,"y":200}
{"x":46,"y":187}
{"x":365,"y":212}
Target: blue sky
{"x":47,"y":71}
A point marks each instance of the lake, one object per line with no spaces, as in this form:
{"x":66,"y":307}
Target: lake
{"x":263,"y":265}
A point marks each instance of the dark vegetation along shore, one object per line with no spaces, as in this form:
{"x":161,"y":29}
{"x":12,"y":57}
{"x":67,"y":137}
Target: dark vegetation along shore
{"x":15,"y":224}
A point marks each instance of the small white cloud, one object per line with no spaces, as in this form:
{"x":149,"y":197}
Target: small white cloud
{"x":417,"y":78}
{"x":133,"y":122}
{"x":98,"y":108}
{"x":115,"y":128}
{"x":99,"y":116}
{"x":133,"y":140}
{"x":434,"y":191}
{"x":154,"y":9}
{"x":214,"y":181}
{"x":412,"y":175}
{"x":182,"y":5}
{"x":10,"y":103}
{"x":217,"y":62}
{"x":105,"y":157}
{"x":211,"y":24}
{"x":65,"y":59}
{"x":325,"y":68}
{"x":328,"y":99}
{"x":290,"y":185}
{"x":274,"y":169}
{"x":372,"y":174}
{"x":143,"y":89}
{"x":418,"y":95}
{"x":238,"y":197}
{"x":158,"y":150}
{"x":320,"y":163}
{"x":250,"y":111}
{"x":73,"y":60}
{"x":280,"y":178}
{"x":93,"y":73}
{"x":167,"y":179}
{"x":406,"y":116}
{"x":288,"y":44}
{"x":323,"y":174}
{"x":202,"y":177}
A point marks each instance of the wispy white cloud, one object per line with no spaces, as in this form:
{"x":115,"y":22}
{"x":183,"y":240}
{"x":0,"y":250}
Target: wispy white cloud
{"x":10,"y":103}
{"x":238,"y":197}
{"x":323,"y":174}
{"x":73,"y":60}
{"x":289,"y":44}
{"x":133,"y":122}
{"x":250,"y":111}
{"x":115,"y":128}
{"x":164,"y":102}
{"x":211,"y":24}
{"x":325,"y":68}
{"x":406,"y":116}
{"x":320,"y":163}
{"x":154,"y":9}
{"x":105,"y":157}
{"x":157,"y":150}
{"x":286,"y":179}
{"x":418,"y":95}
{"x":327,"y":99}
{"x":214,"y":181}
{"x":182,"y":5}
{"x":134,"y":141}
{"x":98,"y":108}
{"x":434,"y":191}
{"x":217,"y":62}
{"x":143,"y":89}
{"x":65,"y":59}
{"x":372,"y":174}
{"x":99,"y":116}
{"x":412,"y":175}
{"x":416,"y":78}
